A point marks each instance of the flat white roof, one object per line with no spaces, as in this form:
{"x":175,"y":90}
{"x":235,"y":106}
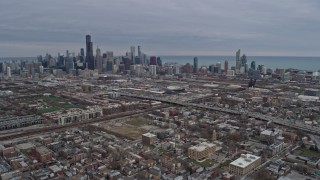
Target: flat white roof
{"x":269,"y":133}
{"x":308,"y":98}
{"x":149,"y":135}
{"x":202,"y":146}
{"x":245,"y":160}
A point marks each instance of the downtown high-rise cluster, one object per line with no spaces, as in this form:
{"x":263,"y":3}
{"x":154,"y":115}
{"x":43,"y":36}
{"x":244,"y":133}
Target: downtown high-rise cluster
{"x":102,"y":62}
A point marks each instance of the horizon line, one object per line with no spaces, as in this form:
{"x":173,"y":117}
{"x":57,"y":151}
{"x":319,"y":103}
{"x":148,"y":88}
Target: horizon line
{"x":187,"y":55}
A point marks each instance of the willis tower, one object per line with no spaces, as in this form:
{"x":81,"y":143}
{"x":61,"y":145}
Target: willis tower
{"x":89,"y":53}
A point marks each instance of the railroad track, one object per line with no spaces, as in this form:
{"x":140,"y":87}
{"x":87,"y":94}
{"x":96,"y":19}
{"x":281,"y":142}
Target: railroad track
{"x":57,"y":128}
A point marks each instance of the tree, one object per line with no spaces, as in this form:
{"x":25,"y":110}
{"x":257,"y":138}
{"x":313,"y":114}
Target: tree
{"x":264,"y":175}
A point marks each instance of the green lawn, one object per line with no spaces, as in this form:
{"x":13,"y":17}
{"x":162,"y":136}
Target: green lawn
{"x":310,"y":153}
{"x":137,"y":122}
{"x":56,"y":104}
{"x":53,"y":98}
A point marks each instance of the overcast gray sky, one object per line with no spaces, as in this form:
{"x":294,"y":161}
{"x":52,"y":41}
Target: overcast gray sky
{"x":161,"y":27}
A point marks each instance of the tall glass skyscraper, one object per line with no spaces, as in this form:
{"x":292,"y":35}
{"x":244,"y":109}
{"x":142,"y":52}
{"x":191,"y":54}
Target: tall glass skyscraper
{"x":195,"y":65}
{"x":253,"y":65}
{"x":89,"y":53}
{"x":238,"y":63}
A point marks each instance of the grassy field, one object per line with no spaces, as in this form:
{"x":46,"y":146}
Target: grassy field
{"x":52,"y":99}
{"x":137,"y":122}
{"x":56,"y":104}
{"x":310,"y":153}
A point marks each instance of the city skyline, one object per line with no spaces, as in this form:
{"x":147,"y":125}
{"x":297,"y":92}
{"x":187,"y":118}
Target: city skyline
{"x":273,"y":28}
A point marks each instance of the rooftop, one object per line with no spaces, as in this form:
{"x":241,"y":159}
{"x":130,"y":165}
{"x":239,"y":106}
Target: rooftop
{"x":149,"y":135}
{"x":202,"y":146}
{"x":24,"y":146}
{"x":244,"y":160}
{"x":43,"y":150}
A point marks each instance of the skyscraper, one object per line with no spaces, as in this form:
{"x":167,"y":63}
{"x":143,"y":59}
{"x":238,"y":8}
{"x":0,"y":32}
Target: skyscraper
{"x":153,"y":60}
{"x":195,"y":65}
{"x":243,"y":60}
{"x":226,"y":66}
{"x":1,"y":67}
{"x":238,"y":64}
{"x":253,"y":65}
{"x":127,"y":63}
{"x":69,"y":62}
{"x":81,"y":52}
{"x":159,"y":61}
{"x":110,"y":55}
{"x":139,"y":52}
{"x":89,"y":53}
{"x":98,"y":60}
{"x":8,"y":71}
{"x":133,"y":53}
{"x":81,"y":55}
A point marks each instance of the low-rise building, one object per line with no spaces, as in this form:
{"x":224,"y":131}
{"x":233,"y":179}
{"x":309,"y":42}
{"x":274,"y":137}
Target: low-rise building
{"x":42,"y":154}
{"x":201,"y":151}
{"x":76,"y":115}
{"x":148,"y":138}
{"x":268,"y":136}
{"x":276,"y":147}
{"x":244,"y":164}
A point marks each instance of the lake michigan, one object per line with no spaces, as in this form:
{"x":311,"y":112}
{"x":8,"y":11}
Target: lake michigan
{"x":273,"y":62}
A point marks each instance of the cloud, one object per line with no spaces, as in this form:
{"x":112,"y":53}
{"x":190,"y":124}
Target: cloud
{"x":288,"y":27}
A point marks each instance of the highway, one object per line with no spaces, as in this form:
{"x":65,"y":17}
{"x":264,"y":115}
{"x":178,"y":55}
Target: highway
{"x":276,"y":120}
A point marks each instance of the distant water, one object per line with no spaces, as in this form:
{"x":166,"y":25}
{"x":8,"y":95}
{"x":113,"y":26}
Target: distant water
{"x":273,"y":62}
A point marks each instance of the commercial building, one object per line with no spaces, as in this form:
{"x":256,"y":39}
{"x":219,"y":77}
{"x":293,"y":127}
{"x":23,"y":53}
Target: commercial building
{"x":244,"y":164}
{"x":201,"y":151}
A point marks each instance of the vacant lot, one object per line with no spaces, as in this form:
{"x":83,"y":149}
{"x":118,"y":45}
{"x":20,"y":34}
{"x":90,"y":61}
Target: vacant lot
{"x":122,"y":131}
{"x":137,"y":122}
